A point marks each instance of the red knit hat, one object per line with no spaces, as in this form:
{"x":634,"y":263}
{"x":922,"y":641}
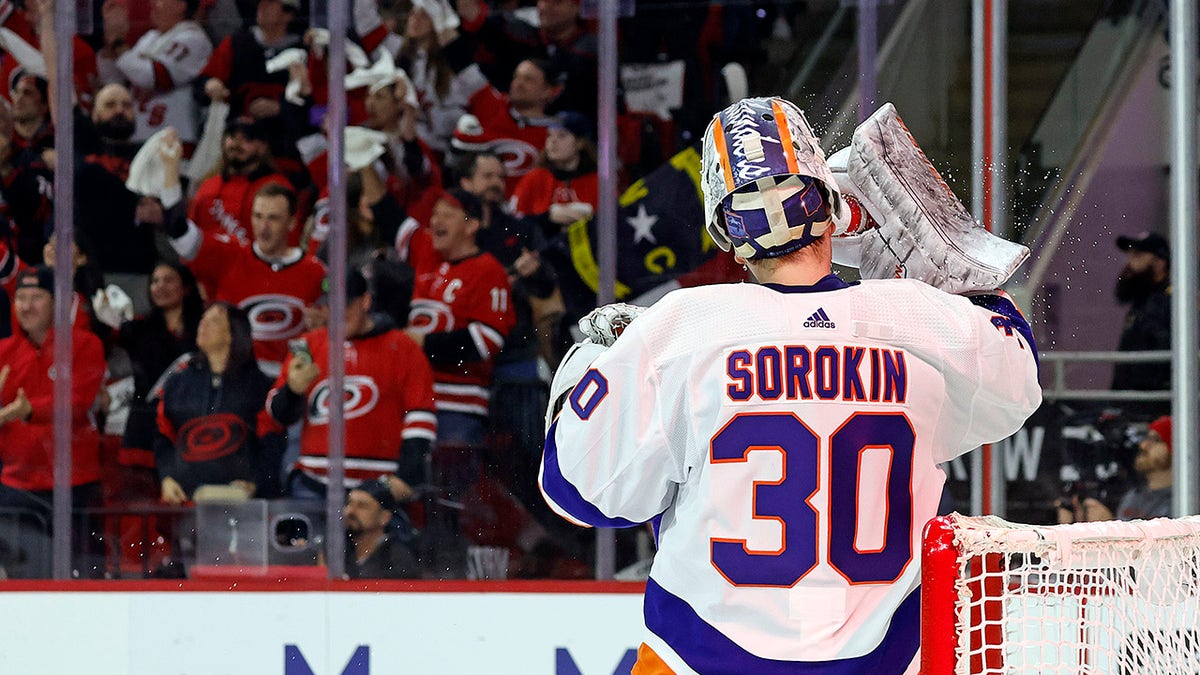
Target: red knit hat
{"x":1162,"y":427}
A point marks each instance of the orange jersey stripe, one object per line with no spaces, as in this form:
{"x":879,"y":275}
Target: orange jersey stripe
{"x":649,"y":663}
{"x":725,"y":160}
{"x":785,"y":138}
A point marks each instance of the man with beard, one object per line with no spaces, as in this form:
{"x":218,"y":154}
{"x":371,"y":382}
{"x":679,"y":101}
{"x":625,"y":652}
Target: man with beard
{"x":374,"y":546}
{"x":160,"y":67}
{"x":1144,"y":285}
{"x":116,"y":221}
{"x":1151,"y":498}
{"x":223,"y":201}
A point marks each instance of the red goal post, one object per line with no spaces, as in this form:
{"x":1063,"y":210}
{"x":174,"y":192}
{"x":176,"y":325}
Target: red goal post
{"x":1109,"y":597}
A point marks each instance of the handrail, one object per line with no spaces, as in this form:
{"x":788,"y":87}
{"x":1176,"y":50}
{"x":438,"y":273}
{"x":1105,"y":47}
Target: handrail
{"x":1058,"y":362}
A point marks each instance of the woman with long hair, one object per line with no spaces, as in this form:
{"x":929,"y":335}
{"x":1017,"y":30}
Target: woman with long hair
{"x":153,"y":342}
{"x":429,"y":32}
{"x":208,"y":413}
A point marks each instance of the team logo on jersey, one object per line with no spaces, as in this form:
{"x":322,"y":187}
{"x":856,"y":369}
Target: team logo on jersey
{"x":274,"y":317}
{"x":430,"y":316}
{"x":321,"y":222}
{"x":211,"y":437}
{"x":819,"y":319}
{"x":518,"y":156}
{"x":360,"y":396}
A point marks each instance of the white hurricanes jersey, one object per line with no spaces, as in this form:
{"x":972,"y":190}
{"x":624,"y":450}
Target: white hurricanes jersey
{"x":179,"y":55}
{"x":784,"y":440}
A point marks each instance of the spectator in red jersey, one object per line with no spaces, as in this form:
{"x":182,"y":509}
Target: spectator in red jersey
{"x":461,"y":312}
{"x":223,"y":202}
{"x":388,"y":402}
{"x":564,"y":187}
{"x":512,"y":125}
{"x":237,"y":74}
{"x":26,"y":187}
{"x":160,"y":67}
{"x":208,"y":412}
{"x":518,"y":391}
{"x":27,"y":395}
{"x":273,"y":281}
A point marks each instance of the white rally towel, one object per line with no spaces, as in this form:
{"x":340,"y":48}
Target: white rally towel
{"x":146,"y":172}
{"x":27,"y":55}
{"x":363,"y":146}
{"x":355,"y":55}
{"x":441,"y":14}
{"x":283,"y":61}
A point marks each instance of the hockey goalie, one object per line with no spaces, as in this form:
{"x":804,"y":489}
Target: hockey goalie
{"x":783,"y":436}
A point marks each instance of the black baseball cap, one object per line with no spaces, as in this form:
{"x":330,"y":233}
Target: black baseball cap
{"x":40,"y":276}
{"x":249,"y":127}
{"x":1147,"y":242}
{"x":381,"y":491}
{"x":575,"y":123}
{"x":356,"y":284}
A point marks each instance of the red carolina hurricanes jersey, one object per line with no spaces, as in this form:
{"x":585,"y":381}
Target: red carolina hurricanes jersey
{"x":388,"y":380}
{"x":225,"y":204}
{"x":273,"y":294}
{"x":472,"y":293}
{"x":539,"y":189}
{"x":518,"y":141}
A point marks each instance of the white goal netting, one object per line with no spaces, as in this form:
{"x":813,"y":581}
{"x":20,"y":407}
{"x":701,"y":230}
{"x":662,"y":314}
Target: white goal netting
{"x":1088,"y":598}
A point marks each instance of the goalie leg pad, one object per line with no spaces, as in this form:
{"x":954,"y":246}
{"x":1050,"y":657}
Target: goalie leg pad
{"x":924,"y":231}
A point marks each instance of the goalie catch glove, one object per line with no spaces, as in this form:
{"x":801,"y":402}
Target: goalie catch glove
{"x":601,"y":328}
{"x":604,"y":325}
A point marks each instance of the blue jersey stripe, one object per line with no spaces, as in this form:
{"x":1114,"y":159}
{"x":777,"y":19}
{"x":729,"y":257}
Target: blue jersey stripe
{"x":566,"y":495}
{"x":1003,"y":306}
{"x":830,"y":282}
{"x":707,"y":650}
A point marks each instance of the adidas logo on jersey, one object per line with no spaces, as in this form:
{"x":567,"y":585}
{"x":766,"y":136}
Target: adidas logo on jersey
{"x":819,"y":319}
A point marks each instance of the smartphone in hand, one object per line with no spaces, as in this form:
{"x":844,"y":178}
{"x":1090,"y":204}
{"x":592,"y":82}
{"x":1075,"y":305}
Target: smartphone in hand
{"x":298,"y":347}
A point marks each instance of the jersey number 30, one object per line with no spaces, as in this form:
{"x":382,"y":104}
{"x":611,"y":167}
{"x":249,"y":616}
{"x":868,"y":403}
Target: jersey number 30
{"x":787,"y":500}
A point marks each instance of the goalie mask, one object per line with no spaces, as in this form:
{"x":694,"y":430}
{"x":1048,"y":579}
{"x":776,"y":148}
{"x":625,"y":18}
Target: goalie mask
{"x":767,"y":188}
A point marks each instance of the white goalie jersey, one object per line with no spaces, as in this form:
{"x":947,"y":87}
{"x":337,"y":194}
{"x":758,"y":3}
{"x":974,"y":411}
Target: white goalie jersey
{"x":784,"y":441}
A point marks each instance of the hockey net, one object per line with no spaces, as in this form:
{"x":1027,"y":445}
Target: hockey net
{"x":1089,"y":598}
